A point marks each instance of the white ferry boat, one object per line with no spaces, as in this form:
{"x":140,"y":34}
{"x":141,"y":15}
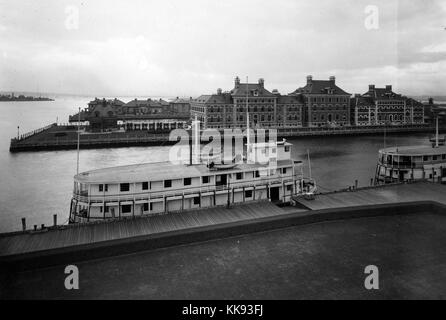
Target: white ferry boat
{"x":164,"y":187}
{"x":412,"y":163}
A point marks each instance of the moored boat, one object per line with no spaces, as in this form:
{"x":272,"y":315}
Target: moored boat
{"x":164,"y":187}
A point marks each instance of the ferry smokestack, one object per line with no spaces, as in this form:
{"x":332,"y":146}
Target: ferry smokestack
{"x":197,"y":135}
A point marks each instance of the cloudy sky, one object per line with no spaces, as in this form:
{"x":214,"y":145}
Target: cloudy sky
{"x":187,"y":48}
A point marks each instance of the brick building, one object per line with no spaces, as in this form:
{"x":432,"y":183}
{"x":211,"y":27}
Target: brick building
{"x":382,"y":106}
{"x":325,"y":104}
{"x":266,"y":109}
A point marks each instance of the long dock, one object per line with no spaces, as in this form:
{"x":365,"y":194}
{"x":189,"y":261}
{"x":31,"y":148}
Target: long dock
{"x":67,"y":244}
{"x":64,"y":137}
{"x":381,"y":195}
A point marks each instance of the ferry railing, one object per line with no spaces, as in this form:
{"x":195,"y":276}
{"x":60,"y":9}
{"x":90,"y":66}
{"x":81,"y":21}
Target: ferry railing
{"x":98,"y":198}
{"x":32,"y":133}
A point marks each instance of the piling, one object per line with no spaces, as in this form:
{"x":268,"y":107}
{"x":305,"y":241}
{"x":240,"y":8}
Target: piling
{"x":24,"y":224}
{"x":356,"y":184}
{"x":55,"y":220}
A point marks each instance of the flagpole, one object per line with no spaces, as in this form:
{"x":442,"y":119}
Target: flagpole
{"x":248,"y":138}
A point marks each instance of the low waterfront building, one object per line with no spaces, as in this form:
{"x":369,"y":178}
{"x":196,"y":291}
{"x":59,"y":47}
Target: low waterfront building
{"x":101,"y":114}
{"x":151,"y":115}
{"x":142,"y":107}
{"x":266,"y":109}
{"x":325,"y":104}
{"x":382,"y":106}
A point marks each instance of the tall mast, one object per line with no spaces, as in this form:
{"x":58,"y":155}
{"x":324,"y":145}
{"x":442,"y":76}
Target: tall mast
{"x":78,"y":139}
{"x":247,"y":117}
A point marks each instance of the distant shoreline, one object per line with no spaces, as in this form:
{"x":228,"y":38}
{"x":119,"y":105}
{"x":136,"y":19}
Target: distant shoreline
{"x":25,"y":99}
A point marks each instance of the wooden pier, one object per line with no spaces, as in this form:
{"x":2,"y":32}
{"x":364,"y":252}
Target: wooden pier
{"x":381,"y":195}
{"x":75,"y":235}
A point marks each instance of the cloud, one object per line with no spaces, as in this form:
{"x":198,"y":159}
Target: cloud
{"x":189,"y":48}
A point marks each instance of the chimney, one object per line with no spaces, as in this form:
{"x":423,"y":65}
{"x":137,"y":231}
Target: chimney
{"x":333,"y":79}
{"x":388,"y":88}
{"x":371,"y":87}
{"x":261,"y":82}
{"x":309,"y":79}
{"x":431,"y":101}
{"x":237,"y":82}
{"x":219,"y":91}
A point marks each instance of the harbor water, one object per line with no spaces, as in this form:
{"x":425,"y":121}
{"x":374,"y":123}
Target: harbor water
{"x":36,"y":185}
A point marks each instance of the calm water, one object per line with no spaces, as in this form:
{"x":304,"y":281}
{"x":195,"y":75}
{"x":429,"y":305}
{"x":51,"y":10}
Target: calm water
{"x":37,"y":185}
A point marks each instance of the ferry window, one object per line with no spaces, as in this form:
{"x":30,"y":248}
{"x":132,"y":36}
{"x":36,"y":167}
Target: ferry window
{"x":106,"y":209}
{"x":289,"y":188}
{"x":126,"y":208}
{"x":425,"y":158}
{"x":167,"y":183}
{"x":101,"y":188}
{"x":443,"y":156}
{"x":257,"y":174}
{"x":146,"y":207}
{"x":151,"y":206}
{"x":187,"y":181}
{"x":145,"y":185}
{"x":248,"y":194}
{"x":239,"y":176}
{"x":284,"y":171}
{"x":434,"y":158}
{"x":205,"y":179}
{"x":196,"y":200}
{"x":287,"y":148}
{"x":106,"y":187}
{"x":125,"y":187}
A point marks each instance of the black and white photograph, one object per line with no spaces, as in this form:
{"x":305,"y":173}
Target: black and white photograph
{"x":221,"y":154}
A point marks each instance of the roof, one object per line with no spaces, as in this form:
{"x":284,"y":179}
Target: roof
{"x":383,"y":94}
{"x":147,"y":103}
{"x":214,"y":98}
{"x":158,"y":171}
{"x":180,"y":100}
{"x":362,"y":101}
{"x":242,"y":88}
{"x":415,"y":150}
{"x":319,"y":87}
{"x":114,"y":101}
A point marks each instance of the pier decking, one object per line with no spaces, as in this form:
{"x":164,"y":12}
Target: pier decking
{"x":91,"y":233}
{"x":420,"y":191}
